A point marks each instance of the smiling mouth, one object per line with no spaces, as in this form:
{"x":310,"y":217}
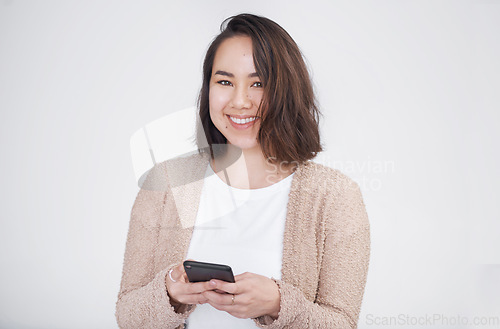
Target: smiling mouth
{"x":242,"y":121}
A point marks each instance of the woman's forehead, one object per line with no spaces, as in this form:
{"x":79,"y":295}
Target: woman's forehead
{"x":235,"y":56}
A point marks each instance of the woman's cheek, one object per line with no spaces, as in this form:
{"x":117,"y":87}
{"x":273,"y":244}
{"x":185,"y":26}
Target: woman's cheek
{"x":219,"y":98}
{"x":256,"y":96}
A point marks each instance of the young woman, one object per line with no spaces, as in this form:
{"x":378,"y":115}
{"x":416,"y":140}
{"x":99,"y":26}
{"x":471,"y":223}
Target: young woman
{"x":296,"y":233}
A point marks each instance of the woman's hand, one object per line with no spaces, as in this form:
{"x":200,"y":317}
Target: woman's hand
{"x":184,"y":292}
{"x":254,"y":295}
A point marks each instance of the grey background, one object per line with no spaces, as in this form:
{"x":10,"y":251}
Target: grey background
{"x":407,"y":86}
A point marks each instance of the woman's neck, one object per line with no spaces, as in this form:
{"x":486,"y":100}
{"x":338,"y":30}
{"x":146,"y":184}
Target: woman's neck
{"x":249,"y":169}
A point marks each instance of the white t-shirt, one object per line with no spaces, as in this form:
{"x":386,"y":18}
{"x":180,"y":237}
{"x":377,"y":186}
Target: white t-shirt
{"x":241,"y":228}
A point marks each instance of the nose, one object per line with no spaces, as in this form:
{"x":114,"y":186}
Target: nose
{"x":240,"y":99}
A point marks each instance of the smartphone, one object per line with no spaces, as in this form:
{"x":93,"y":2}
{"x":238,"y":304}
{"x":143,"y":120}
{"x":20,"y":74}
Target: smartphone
{"x":200,"y":272}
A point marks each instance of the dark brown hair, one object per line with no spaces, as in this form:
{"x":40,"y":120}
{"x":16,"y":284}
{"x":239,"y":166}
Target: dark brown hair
{"x":288,"y":111}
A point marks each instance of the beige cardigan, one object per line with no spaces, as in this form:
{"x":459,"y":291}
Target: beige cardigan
{"x":326,"y":248}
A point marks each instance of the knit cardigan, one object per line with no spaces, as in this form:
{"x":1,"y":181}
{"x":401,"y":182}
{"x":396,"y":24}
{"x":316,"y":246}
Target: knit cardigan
{"x":326,"y":248}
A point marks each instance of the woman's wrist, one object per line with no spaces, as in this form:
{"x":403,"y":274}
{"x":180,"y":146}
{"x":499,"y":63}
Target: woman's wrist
{"x":274,"y":316}
{"x":178,"y":306}
{"x":277,"y":305}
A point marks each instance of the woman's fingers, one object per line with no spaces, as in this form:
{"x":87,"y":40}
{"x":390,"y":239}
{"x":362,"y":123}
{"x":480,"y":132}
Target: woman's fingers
{"x":219,"y":299}
{"x":178,"y":273}
{"x":250,"y":296}
{"x":254,"y":295}
{"x":228,"y":287}
{"x":181,"y":290}
{"x":193,"y":299}
{"x":243,"y":276}
{"x":190,"y":293}
{"x":195,"y":288}
{"x":189,"y":288}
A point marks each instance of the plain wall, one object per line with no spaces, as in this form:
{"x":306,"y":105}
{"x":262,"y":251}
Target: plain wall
{"x":409,"y":91}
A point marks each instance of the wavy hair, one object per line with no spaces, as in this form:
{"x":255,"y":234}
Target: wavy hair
{"x":289,"y":113}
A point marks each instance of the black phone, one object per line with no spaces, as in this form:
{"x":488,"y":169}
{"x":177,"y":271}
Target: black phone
{"x":200,"y":272}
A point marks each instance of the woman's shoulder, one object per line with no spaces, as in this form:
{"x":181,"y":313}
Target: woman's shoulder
{"x":175,"y":172}
{"x":318,"y":176}
{"x":340,"y":194}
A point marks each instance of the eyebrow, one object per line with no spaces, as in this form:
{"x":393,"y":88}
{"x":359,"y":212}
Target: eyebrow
{"x":227,"y":74}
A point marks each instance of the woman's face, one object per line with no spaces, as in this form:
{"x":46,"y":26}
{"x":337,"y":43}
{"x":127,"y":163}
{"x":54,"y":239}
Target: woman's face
{"x":235,"y":93}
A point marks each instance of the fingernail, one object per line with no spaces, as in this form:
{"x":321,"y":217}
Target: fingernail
{"x":213,"y":283}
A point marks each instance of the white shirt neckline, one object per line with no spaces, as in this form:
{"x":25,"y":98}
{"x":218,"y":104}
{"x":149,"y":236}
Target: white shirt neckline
{"x":257,"y":193}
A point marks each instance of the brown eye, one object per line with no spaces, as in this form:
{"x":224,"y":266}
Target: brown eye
{"x":224,"y":83}
{"x":257,"y":84}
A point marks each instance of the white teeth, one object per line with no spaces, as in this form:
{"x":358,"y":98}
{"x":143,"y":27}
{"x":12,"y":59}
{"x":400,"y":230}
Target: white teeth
{"x":242,"y":121}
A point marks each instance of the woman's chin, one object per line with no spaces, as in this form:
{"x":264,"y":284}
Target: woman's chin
{"x":246,"y":145}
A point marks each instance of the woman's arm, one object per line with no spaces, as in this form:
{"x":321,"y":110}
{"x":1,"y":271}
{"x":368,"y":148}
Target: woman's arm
{"x":143,"y":301}
{"x":342,"y":276}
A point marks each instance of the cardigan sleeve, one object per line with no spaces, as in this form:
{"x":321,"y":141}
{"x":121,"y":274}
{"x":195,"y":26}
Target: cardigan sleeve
{"x":342,"y":276}
{"x":143,"y":301}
